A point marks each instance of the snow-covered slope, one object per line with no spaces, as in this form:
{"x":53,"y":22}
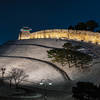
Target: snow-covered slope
{"x":31,"y":55}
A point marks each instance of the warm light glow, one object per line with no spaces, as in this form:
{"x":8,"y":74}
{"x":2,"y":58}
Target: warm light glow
{"x":86,"y":36}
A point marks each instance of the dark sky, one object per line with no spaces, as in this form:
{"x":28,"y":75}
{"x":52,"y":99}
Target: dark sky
{"x":44,"y":14}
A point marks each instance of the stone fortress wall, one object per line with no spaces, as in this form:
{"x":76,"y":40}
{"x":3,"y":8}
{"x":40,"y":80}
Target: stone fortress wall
{"x":86,"y":36}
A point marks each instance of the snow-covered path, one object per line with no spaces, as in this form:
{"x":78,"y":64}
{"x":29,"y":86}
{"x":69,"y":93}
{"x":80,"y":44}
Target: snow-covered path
{"x":46,"y":62}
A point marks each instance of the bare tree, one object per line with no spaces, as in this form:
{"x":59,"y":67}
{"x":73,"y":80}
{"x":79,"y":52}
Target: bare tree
{"x":17,"y":76}
{"x":10,"y":79}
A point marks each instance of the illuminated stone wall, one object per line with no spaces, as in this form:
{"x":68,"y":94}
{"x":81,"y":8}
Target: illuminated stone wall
{"x":86,"y":36}
{"x":24,"y":35}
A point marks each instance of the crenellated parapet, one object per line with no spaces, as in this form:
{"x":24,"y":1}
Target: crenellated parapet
{"x":86,"y":36}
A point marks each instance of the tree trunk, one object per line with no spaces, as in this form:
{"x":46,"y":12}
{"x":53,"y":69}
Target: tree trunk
{"x":69,"y":64}
{"x":10,"y":84}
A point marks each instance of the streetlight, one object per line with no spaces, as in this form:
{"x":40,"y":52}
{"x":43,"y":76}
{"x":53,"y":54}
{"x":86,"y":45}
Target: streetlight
{"x":3,"y":72}
{"x":45,"y":83}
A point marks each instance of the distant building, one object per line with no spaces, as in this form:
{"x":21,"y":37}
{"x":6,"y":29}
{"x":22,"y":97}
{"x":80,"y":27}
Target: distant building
{"x":24,"y":33}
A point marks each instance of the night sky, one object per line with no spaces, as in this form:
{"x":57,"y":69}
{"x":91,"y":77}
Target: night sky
{"x":44,"y":14}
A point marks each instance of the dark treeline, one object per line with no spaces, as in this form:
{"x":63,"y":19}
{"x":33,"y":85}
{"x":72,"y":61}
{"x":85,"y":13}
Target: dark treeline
{"x":90,"y":25}
{"x":86,"y":91}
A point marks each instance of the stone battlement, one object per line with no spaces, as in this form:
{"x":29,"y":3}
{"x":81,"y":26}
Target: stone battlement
{"x":86,"y":36}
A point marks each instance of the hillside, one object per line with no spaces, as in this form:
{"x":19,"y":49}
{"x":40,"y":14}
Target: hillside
{"x":31,"y":55}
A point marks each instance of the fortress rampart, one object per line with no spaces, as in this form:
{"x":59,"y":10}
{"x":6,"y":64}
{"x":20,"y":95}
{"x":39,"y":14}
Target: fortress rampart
{"x":86,"y":36}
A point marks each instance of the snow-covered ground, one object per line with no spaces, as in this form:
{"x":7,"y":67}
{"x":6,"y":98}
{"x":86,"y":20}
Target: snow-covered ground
{"x":32,"y":54}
